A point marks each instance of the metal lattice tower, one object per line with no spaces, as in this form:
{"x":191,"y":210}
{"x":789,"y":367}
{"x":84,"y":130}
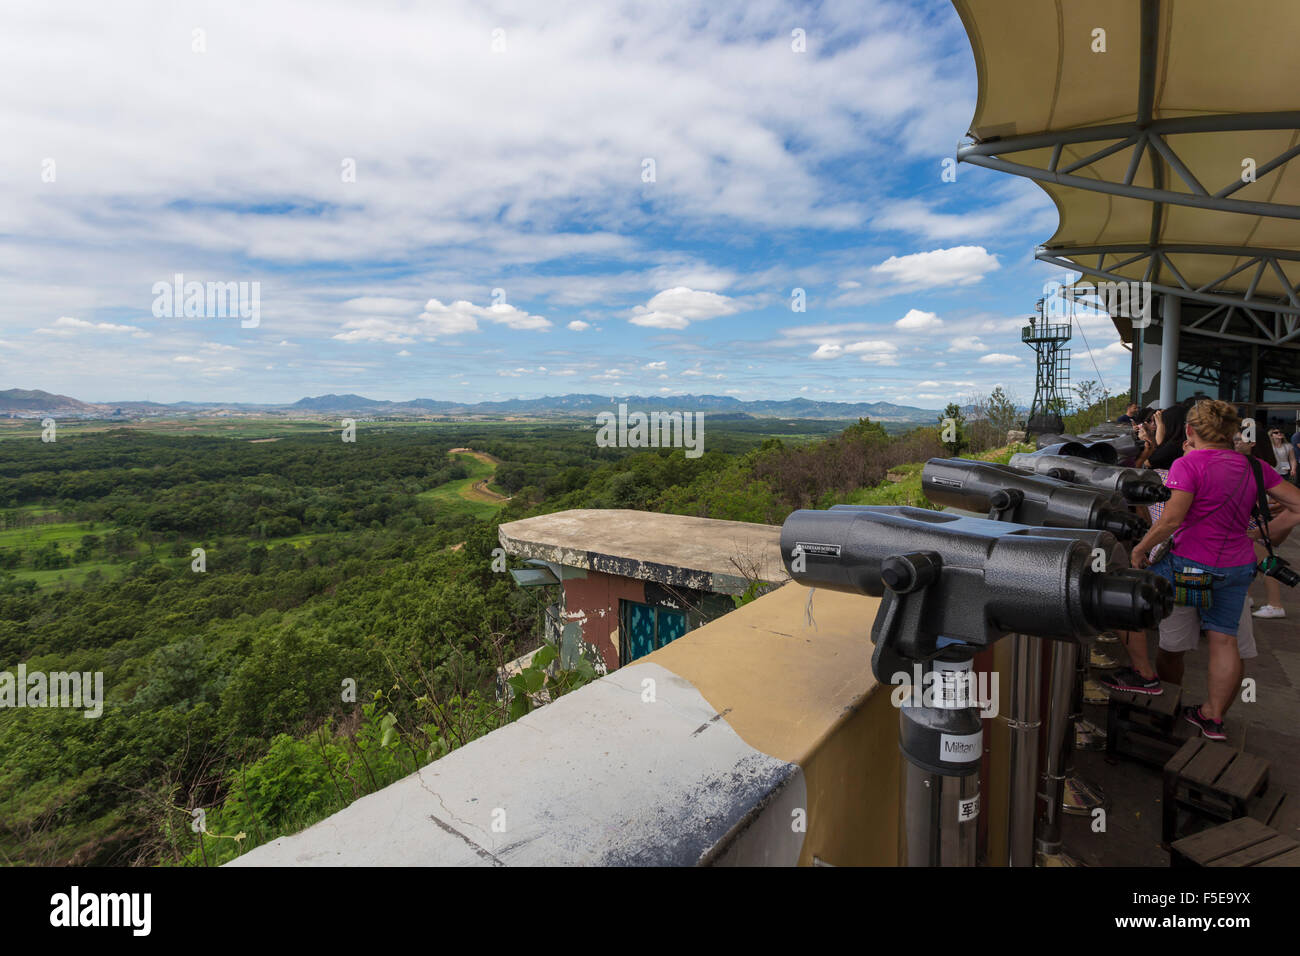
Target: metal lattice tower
{"x":1052,"y":377}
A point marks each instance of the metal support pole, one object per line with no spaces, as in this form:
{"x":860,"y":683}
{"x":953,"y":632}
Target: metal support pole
{"x":1060,"y":732}
{"x":1023,"y":725}
{"x":942,"y":742}
{"x":1171,"y":311}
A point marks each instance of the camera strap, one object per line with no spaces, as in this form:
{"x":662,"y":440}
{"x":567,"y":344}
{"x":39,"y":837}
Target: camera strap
{"x":1261,"y":510}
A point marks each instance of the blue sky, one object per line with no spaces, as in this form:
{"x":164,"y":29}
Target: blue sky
{"x":456,"y":201}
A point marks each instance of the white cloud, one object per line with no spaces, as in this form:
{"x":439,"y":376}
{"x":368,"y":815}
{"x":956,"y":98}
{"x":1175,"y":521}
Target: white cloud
{"x":960,"y":265}
{"x":967,"y":343}
{"x":871,"y":346}
{"x":187,"y":360}
{"x":577,"y":325}
{"x":655,"y":365}
{"x":874,"y":351}
{"x":65,"y":326}
{"x":1026,"y":211}
{"x":383,"y":305}
{"x":828,"y":351}
{"x":917,"y":321}
{"x":1000,"y":358}
{"x":462,"y":316}
{"x":827,"y":331}
{"x":678,"y":307}
{"x":440,"y":320}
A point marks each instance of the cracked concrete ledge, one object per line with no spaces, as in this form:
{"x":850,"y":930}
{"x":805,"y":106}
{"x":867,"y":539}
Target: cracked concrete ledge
{"x":757,"y":739}
{"x":620,"y":772}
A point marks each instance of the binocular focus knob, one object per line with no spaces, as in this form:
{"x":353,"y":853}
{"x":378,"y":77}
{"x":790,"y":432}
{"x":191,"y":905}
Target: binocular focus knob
{"x":902,"y":573}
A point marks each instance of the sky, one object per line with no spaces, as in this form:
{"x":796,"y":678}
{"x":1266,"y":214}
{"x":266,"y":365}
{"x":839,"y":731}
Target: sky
{"x":485,"y":200}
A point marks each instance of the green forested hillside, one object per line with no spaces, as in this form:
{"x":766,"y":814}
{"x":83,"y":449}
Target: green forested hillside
{"x":345,"y":628}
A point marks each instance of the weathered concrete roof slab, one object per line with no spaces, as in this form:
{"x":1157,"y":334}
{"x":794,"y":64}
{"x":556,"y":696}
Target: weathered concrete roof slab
{"x":675,"y":550}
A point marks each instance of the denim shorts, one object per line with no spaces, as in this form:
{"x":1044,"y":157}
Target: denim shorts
{"x":1228,"y":590}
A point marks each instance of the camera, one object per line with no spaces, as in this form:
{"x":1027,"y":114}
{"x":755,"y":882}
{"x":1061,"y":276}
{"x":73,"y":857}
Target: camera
{"x":1279,"y":568}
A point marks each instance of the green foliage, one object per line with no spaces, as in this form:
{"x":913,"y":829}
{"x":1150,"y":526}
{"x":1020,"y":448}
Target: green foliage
{"x":325,"y":563}
{"x":540,"y":680}
{"x":1096,"y":405}
{"x":952,"y":430}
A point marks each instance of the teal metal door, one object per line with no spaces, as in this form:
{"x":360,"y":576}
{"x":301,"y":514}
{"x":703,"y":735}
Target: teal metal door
{"x":646,"y":628}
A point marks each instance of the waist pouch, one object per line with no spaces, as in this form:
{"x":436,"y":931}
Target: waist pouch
{"x":1193,"y":585}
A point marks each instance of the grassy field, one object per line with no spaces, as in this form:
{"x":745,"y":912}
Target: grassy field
{"x":74,"y":576}
{"x":67,"y":534}
{"x":460,"y":495}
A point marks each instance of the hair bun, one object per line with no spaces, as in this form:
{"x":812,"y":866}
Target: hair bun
{"x":1215,"y":421}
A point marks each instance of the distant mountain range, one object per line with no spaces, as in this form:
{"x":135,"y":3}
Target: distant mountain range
{"x":26,"y":403}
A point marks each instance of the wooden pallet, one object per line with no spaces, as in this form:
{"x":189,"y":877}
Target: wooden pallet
{"x":1141,"y":726}
{"x":1212,"y":780}
{"x":1241,"y":842}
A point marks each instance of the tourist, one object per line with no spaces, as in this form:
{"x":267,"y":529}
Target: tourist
{"x":1211,"y":561}
{"x":1284,"y":452}
{"x":1282,"y":459}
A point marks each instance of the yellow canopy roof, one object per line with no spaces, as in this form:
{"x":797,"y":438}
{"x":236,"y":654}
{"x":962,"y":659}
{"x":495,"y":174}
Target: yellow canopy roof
{"x":1161,"y":129}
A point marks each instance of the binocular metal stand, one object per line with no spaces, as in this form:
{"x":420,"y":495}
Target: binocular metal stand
{"x":950,"y":586}
{"x":942,"y":745}
{"x":1028,"y":841}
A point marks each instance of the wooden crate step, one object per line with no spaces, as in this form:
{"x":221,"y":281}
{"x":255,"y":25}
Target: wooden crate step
{"x":1164,"y":704}
{"x":1213,"y":781}
{"x":1241,"y":842}
{"x":1142,"y":727}
{"x":1289,"y":858}
{"x":1266,"y":806}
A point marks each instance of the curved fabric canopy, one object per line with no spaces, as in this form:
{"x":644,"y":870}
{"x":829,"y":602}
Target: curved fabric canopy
{"x":1164,"y":131}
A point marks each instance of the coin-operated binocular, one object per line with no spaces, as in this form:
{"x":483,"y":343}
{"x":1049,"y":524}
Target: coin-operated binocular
{"x":950,"y":586}
{"x":1136,"y":487}
{"x":1065,"y":445}
{"x":1108,"y":448}
{"x":1125,"y":445}
{"x":1012,"y":494}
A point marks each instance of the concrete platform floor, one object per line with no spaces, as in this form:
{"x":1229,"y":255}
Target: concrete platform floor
{"x":1269,"y":728}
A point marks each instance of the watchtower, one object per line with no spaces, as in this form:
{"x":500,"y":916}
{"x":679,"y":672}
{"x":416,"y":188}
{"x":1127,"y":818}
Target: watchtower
{"x":1052,"y":376}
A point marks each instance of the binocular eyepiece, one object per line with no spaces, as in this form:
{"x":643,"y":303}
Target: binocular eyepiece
{"x":1104,"y":448}
{"x":1136,"y":487}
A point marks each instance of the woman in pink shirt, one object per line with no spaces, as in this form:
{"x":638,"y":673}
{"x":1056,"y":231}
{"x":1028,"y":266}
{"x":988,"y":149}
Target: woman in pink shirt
{"x":1213,"y":491}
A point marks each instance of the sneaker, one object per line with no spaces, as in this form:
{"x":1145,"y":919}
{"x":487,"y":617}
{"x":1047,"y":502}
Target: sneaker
{"x":1269,"y":610}
{"x":1209,"y":728}
{"x":1127,"y":679}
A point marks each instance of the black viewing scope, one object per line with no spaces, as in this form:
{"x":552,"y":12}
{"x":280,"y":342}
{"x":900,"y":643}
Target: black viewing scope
{"x":1137,"y":487}
{"x":966,"y":579}
{"x":1077,"y":448}
{"x":1011,"y":494}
